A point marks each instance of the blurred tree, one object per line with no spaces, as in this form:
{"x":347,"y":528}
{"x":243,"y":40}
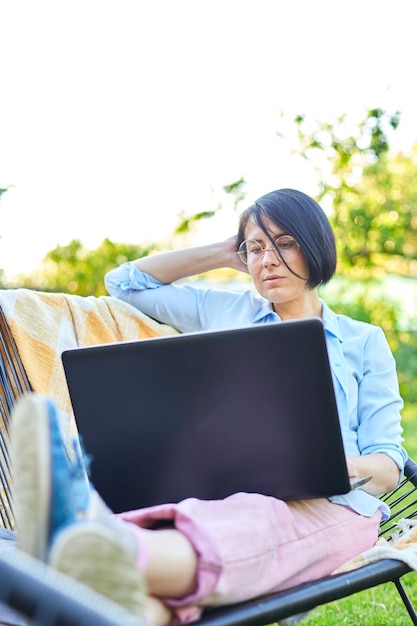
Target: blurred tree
{"x":364,"y":300}
{"x":372,"y":193}
{"x":371,"y":197}
{"x":235,"y":190}
{"x":75,"y":269}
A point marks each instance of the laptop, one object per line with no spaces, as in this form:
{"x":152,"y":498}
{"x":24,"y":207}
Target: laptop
{"x":209,"y":414}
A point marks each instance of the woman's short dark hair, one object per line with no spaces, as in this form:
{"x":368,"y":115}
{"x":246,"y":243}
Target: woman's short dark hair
{"x":303,"y":218}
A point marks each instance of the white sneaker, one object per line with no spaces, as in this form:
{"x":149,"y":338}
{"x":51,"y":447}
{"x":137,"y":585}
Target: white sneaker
{"x":31,"y":471}
{"x":49,"y":490}
{"x":92,"y":554}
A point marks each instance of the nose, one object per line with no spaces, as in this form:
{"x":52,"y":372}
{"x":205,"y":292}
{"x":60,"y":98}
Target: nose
{"x":270,"y":256}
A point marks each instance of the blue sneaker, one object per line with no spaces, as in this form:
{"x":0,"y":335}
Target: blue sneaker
{"x":50,"y":491}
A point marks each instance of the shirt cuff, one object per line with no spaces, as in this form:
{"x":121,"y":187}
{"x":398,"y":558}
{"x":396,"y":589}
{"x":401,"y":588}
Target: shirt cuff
{"x":136,"y":279}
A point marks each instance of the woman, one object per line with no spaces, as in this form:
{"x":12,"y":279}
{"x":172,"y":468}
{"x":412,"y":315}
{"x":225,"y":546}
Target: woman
{"x":203,"y":553}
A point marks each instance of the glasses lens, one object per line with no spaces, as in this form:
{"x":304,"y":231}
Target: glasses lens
{"x":288,"y":247}
{"x":252,"y":252}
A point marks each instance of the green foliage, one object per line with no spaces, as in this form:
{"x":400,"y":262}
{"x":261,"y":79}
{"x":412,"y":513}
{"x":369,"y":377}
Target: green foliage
{"x":366,"y":301}
{"x":363,"y":301}
{"x":406,"y":357}
{"x":186,"y":222}
{"x":237,"y":190}
{"x":372,"y":199}
{"x":3,"y":190}
{"x":3,"y":280}
{"x":372,"y":193}
{"x":75,"y":269}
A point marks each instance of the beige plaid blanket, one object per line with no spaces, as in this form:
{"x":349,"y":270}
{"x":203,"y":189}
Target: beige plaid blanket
{"x":43,"y":325}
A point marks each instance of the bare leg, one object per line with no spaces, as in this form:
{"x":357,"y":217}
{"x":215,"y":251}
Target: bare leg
{"x":170,"y":572}
{"x":171,"y":569}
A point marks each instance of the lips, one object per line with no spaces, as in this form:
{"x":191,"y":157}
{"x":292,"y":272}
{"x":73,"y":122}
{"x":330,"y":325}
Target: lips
{"x":273,"y":278}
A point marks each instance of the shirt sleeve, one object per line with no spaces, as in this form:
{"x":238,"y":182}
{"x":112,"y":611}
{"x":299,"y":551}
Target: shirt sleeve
{"x":188,"y":308}
{"x":171,"y":304}
{"x":379,"y":401}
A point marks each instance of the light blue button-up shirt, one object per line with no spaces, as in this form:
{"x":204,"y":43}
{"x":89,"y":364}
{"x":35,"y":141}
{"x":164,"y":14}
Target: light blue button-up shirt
{"x":362,"y":365}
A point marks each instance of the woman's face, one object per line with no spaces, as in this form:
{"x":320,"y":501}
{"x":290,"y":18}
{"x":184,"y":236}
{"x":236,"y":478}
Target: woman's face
{"x":271,"y":277}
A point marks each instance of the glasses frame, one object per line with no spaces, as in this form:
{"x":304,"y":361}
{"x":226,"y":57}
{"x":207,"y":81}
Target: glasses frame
{"x":275,"y":249}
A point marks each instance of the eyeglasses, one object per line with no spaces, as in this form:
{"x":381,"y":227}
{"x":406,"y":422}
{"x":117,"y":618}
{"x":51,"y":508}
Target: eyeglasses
{"x":251,"y":252}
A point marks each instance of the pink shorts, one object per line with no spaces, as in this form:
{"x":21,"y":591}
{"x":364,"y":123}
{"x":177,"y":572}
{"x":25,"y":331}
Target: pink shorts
{"x":250,"y":545}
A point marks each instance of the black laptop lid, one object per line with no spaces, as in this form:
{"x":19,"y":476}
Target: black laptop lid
{"x":210,"y":414}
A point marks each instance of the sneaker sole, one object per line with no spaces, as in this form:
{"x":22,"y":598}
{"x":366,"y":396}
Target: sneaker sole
{"x":92,"y":555}
{"x":30,"y":460}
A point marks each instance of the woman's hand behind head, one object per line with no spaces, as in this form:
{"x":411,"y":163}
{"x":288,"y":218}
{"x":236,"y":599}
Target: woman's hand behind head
{"x":232,"y":258}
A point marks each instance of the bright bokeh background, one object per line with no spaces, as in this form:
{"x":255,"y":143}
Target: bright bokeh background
{"x":115,"y":115}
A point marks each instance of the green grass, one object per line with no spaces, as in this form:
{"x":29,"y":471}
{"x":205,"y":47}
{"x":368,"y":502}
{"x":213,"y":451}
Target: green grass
{"x":410,"y":429}
{"x":380,"y":606}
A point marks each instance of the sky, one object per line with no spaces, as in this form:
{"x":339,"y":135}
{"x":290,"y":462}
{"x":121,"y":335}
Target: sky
{"x":116,"y":115}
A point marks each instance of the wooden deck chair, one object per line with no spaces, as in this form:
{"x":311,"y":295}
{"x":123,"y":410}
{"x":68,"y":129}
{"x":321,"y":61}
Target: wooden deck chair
{"x":51,"y":599}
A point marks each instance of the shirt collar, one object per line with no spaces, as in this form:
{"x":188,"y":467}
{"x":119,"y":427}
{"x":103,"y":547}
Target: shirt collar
{"x":331,"y":322}
{"x":329,"y":317}
{"x":265,"y":310}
